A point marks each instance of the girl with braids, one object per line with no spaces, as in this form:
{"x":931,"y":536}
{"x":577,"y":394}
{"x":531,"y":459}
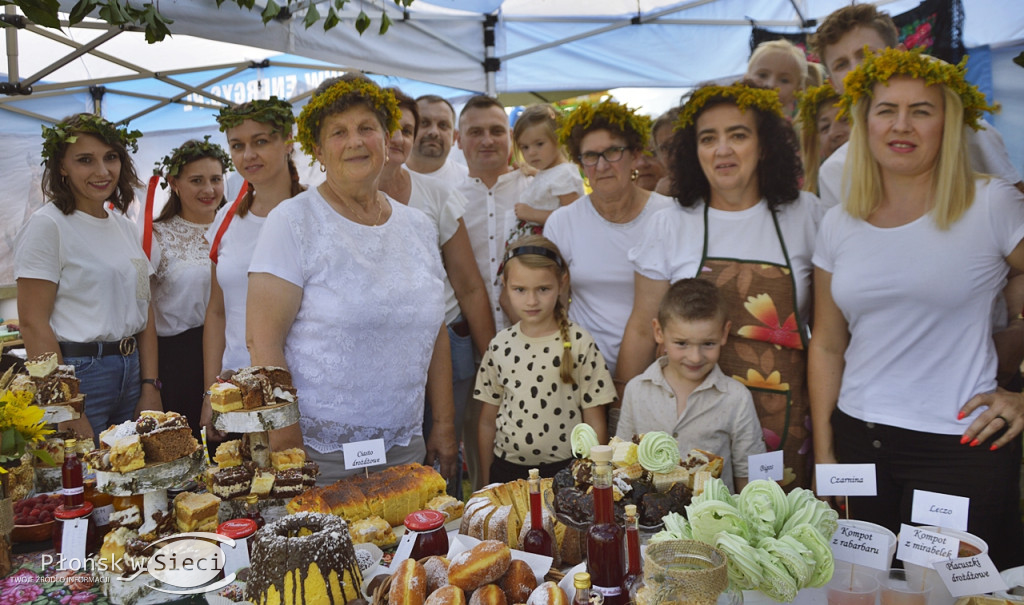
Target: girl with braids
{"x":259,"y":137}
{"x":180,"y":253}
{"x":541,"y":377}
{"x":83,"y":279}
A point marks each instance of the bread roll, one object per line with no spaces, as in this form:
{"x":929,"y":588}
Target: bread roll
{"x":482,"y":564}
{"x":488,"y":594}
{"x":408,"y":584}
{"x":437,"y":573}
{"x":447,"y":595}
{"x":548,"y":593}
{"x":518,"y":582}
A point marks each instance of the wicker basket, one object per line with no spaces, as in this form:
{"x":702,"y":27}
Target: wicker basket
{"x":682,"y":572}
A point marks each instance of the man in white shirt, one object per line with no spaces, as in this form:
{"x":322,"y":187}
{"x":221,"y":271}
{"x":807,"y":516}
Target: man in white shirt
{"x":840,"y":42}
{"x":492,"y":189}
{"x":434,"y":139}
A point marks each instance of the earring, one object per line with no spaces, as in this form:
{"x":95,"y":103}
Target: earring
{"x":634,"y":175}
{"x":323,"y":168}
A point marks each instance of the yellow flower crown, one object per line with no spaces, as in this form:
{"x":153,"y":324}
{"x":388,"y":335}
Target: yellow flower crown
{"x":350,"y":91}
{"x":881,"y":66}
{"x":744,"y":96}
{"x":811,"y":101}
{"x":609,"y":112}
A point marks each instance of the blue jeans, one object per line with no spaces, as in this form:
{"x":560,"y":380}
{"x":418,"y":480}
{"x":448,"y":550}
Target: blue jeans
{"x":111,"y":388}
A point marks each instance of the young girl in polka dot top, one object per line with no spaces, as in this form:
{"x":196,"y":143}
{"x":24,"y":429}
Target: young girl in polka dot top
{"x":541,"y":377}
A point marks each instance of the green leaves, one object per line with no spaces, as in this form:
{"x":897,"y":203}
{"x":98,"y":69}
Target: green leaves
{"x":362,"y":22}
{"x":147,"y":16}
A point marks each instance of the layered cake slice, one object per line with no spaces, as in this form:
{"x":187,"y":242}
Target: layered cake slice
{"x":229,"y":482}
{"x":165,"y":436}
{"x":229,"y":453}
{"x":196,"y":512}
{"x":126,"y":454}
{"x":290,"y":458}
{"x":225,"y":397}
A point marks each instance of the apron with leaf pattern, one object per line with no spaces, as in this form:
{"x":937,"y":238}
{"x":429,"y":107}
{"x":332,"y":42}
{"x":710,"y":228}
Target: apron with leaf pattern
{"x":767,"y":349}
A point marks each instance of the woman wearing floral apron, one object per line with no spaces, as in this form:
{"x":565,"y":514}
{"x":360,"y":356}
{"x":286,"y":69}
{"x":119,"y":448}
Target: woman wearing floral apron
{"x":743,"y":223}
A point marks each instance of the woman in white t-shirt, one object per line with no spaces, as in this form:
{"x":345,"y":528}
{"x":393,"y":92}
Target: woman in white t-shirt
{"x":83,"y":279}
{"x":595,"y":232}
{"x":742,"y":223}
{"x":180,"y":254}
{"x":902,"y":363}
{"x":259,"y":137}
{"x":346,"y":290}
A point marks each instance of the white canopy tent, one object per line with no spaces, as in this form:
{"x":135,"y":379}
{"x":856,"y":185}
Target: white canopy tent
{"x":172,"y":88}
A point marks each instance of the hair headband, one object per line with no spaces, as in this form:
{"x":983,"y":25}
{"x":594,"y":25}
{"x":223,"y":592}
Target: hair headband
{"x":539,"y":250}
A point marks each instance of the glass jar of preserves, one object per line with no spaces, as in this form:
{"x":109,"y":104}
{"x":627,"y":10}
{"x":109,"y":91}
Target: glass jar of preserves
{"x":103,"y":505}
{"x":431,"y":537}
{"x":237,"y":557}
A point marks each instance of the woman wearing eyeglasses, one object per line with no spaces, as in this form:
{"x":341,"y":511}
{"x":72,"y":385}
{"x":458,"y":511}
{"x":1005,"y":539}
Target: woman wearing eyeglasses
{"x":596,"y":232}
{"x":743,"y":224}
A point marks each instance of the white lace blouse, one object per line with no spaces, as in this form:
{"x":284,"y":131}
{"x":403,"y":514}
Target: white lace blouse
{"x":372,"y":306}
{"x":181,"y":286}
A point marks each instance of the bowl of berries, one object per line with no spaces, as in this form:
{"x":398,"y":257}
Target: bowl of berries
{"x":33,"y":517}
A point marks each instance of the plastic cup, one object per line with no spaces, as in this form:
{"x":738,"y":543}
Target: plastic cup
{"x":842,"y":567}
{"x":858,"y":589}
{"x":898,"y":590}
{"x":970,"y":545}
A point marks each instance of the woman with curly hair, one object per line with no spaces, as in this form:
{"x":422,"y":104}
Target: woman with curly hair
{"x":83,"y":278}
{"x":180,"y":254}
{"x":743,"y":223}
{"x":346,"y":290}
{"x":595,"y":232}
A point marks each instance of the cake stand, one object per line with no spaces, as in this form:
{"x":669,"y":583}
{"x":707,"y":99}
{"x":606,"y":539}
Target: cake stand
{"x":255,"y":426}
{"x":152,"y":481}
{"x":69,"y":410}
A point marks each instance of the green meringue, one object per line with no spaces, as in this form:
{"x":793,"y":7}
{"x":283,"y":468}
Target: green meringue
{"x":743,"y":563}
{"x":582,"y":438}
{"x":658,"y":452}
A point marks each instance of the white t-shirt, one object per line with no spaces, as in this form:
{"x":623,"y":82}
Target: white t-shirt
{"x":547,"y":185}
{"x":444,"y":205}
{"x":490,"y":216}
{"x":233,"y":256}
{"x":985,"y":148}
{"x":181,"y":286}
{"x":452,"y":171}
{"x":101,"y":272}
{"x":372,"y":306}
{"x":601,"y":276}
{"x":672,"y":247}
{"x":917,"y":300}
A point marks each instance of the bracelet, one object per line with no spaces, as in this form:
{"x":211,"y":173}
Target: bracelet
{"x":153,"y":381}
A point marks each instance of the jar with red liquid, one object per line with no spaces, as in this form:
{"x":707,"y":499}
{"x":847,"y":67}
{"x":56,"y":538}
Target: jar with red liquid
{"x":64,"y":515}
{"x":103,"y":505}
{"x":604,"y":537}
{"x":71,"y":476}
{"x":431,"y":536}
{"x":537,"y":540}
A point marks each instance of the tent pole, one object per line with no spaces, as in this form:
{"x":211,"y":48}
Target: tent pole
{"x":491,"y":63}
{"x":12,"y":48}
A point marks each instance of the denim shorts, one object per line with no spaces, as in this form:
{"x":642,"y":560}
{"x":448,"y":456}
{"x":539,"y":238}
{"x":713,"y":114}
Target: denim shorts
{"x":111,"y":388}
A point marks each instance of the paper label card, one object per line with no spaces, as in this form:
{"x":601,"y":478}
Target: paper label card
{"x":923,"y":547}
{"x":766,"y":466}
{"x":861,"y":547}
{"x":404,"y":548}
{"x":846,"y":479}
{"x":73,"y":540}
{"x":359,"y":454}
{"x":970,"y":575}
{"x":940,"y":510}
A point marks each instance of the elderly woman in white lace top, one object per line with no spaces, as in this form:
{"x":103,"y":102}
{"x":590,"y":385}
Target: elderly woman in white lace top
{"x":179,"y":252}
{"x":346,"y":289}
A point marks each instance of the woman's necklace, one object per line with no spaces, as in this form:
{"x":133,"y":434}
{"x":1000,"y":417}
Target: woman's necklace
{"x":623,"y":214}
{"x":355,"y":212}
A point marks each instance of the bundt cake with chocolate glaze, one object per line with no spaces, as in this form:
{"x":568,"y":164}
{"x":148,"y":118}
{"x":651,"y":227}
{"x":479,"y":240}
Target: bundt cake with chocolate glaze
{"x":289,"y":567}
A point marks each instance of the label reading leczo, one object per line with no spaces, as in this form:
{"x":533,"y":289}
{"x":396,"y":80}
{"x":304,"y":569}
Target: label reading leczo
{"x":359,"y":454}
{"x":940,"y":510}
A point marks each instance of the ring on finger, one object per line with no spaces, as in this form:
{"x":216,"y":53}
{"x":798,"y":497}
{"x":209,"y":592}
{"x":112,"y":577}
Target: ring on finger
{"x":1005,"y":421}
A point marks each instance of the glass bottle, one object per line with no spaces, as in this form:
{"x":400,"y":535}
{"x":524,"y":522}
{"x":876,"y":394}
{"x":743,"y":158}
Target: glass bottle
{"x":604,"y":537}
{"x":537,"y":540}
{"x":581,"y":582}
{"x":252,"y":510}
{"x":71,"y":477}
{"x":634,"y":567}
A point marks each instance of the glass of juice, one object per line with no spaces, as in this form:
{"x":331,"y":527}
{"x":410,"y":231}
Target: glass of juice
{"x":853,"y":589}
{"x":899,"y":590}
